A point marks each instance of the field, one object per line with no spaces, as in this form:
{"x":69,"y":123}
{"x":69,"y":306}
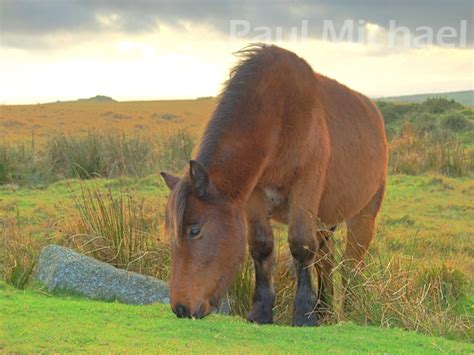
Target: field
{"x":420,"y":267}
{"x":41,"y":120}
{"x":41,"y":323}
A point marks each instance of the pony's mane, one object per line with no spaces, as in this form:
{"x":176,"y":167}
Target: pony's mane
{"x":242,"y":75}
{"x":236,"y":89}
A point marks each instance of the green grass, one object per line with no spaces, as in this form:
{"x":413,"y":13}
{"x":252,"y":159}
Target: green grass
{"x":424,"y":240}
{"x":420,"y":215}
{"x":35,"y":322}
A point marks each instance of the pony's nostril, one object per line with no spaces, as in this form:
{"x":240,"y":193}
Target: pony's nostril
{"x":181,"y":311}
{"x":200,"y":312}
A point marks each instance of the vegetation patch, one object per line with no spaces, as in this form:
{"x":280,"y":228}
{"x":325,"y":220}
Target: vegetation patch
{"x":38,"y":322}
{"x":98,"y":192}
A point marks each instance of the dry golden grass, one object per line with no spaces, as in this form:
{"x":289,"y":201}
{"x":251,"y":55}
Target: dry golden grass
{"x":21,"y":122}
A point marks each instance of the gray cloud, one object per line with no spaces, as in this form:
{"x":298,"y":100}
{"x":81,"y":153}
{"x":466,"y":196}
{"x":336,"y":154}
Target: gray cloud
{"x":25,"y":23}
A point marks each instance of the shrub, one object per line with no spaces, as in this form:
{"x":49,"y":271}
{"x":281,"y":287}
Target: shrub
{"x":440,"y":105}
{"x":4,"y":174}
{"x":393,"y":112}
{"x":457,"y":122}
{"x":424,"y":122}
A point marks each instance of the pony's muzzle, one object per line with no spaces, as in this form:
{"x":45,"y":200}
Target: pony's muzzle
{"x":182,"y":311}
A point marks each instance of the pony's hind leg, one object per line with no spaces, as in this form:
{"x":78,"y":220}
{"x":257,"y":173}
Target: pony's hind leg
{"x":303,"y":247}
{"x":360,"y":232}
{"x":324,"y":264}
{"x":260,"y":240}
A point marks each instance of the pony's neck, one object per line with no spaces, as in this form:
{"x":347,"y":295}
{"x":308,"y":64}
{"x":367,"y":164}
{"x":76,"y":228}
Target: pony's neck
{"x":234,"y":151}
{"x":243,"y":131}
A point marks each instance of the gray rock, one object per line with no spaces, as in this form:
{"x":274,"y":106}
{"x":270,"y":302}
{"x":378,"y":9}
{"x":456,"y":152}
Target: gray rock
{"x":63,"y":269}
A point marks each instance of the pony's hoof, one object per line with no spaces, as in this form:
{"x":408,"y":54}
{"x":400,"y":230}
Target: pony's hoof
{"x":260,"y":316}
{"x":305,"y":321}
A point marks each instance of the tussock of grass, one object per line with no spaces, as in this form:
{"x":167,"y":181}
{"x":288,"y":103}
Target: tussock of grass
{"x":116,"y":154}
{"x":120,"y":229}
{"x":394,"y":293}
{"x":18,"y":251}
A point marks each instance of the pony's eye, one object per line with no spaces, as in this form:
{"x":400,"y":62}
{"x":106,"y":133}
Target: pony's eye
{"x":194,"y":232}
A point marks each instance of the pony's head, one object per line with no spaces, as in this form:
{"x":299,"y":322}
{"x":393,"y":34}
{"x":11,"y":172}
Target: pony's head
{"x":207,"y":233}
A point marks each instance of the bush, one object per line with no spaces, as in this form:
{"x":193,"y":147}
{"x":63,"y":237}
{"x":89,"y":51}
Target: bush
{"x":440,"y":105}
{"x":424,"y":122}
{"x":457,"y":122}
{"x":393,"y":112}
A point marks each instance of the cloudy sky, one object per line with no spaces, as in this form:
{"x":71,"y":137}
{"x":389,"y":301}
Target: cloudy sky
{"x":139,"y":50}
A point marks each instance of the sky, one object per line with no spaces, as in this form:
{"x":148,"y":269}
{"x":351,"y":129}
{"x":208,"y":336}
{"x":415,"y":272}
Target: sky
{"x":147,"y":50}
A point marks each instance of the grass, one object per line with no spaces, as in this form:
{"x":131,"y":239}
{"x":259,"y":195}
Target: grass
{"x":34,"y":322}
{"x":417,"y":278}
{"x":417,"y":152}
{"x":433,"y":136}
{"x":419,"y":214}
{"x":420,"y":266}
{"x":93,"y":155}
{"x":17,"y":122}
{"x":120,"y":229}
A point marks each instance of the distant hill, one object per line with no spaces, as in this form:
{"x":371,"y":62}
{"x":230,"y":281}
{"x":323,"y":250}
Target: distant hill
{"x":463,"y":97}
{"x":98,"y":98}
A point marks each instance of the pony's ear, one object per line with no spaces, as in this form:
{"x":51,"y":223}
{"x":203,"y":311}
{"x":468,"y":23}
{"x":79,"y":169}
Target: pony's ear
{"x":170,"y":180}
{"x":199,"y":178}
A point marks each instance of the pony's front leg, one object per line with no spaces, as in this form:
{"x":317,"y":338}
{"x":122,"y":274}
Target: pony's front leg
{"x":303,"y":246}
{"x":260,"y":239}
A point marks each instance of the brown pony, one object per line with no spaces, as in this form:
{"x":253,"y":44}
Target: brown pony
{"x":286,"y":144}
